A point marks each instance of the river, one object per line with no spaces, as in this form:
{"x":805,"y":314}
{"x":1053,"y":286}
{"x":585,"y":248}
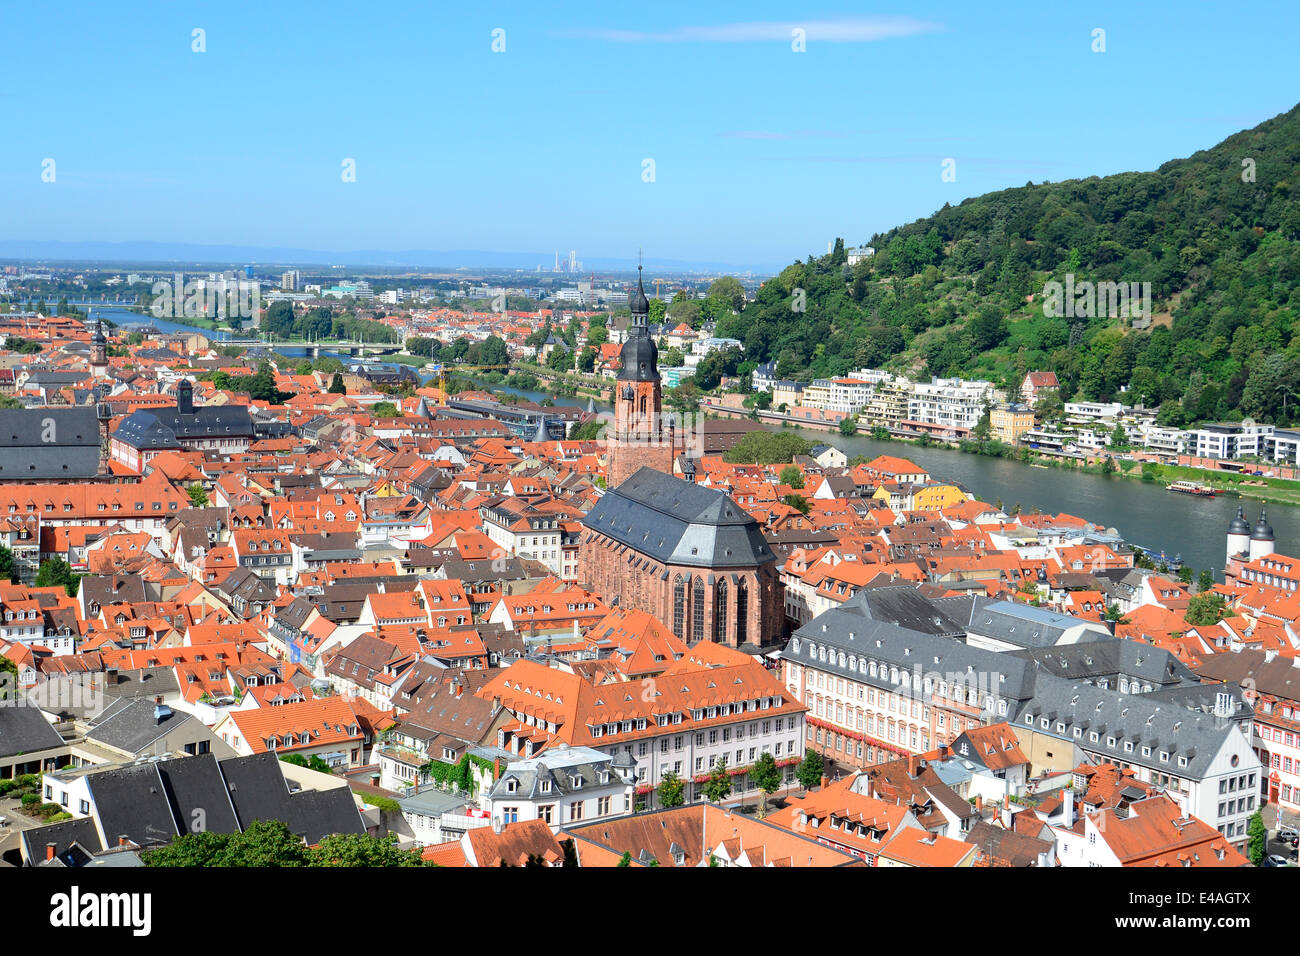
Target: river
{"x":1144,"y":513}
{"x":125,"y":317}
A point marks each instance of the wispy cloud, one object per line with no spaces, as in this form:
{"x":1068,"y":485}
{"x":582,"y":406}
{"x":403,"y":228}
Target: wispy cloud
{"x":840,"y":30}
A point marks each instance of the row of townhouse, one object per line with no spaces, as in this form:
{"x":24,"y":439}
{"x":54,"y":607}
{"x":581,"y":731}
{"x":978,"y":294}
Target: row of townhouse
{"x":716,"y":705}
{"x":876,"y":690}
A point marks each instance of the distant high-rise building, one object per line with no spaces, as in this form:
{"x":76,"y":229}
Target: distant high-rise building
{"x":573,"y":260}
{"x":248,"y":272}
{"x":289,"y":281}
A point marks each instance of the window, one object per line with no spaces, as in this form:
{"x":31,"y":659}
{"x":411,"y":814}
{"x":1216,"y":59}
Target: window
{"x":697,"y":609}
{"x":720,"y":612}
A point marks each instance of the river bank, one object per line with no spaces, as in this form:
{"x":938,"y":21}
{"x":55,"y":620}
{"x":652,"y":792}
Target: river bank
{"x":1231,"y":484}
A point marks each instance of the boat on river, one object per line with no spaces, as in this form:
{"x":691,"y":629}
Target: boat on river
{"x":1191,"y":488}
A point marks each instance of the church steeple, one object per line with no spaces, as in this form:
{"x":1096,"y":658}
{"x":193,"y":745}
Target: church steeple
{"x":640,"y":304}
{"x":641,"y":436}
{"x":98,"y":347}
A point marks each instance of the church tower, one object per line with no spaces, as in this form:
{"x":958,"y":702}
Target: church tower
{"x":98,"y":350}
{"x":641,"y":436}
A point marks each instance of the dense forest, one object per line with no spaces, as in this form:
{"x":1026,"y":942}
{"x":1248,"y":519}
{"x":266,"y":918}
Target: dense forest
{"x":1217,"y":236}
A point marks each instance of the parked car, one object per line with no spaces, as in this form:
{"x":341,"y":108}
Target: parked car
{"x":1287,"y":833}
{"x":1274,"y":859}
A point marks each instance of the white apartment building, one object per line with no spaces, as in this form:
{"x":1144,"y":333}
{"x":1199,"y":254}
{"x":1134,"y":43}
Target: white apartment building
{"x":849,"y":396}
{"x":1168,"y":441}
{"x":1230,"y":440}
{"x":1091,"y":411}
{"x":566,"y":785}
{"x":949,"y":402}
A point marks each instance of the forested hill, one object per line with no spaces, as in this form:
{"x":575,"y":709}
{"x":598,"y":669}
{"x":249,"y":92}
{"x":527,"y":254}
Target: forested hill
{"x":1217,"y":235}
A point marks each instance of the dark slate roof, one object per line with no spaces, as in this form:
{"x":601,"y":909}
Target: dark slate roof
{"x":63,"y":835}
{"x":849,"y":630}
{"x":1278,"y":677}
{"x":1109,"y":659}
{"x":166,"y":427}
{"x":1143,"y":719}
{"x":317,"y":814}
{"x":904,"y":605}
{"x":49,"y":443}
{"x":679,"y":522}
{"x":195,"y":784}
{"x":1025,"y":625}
{"x":258,"y":790}
{"x":25,"y":730}
{"x":1018,"y":849}
{"x":108,"y":589}
{"x":132,"y":802}
{"x":130,"y":725}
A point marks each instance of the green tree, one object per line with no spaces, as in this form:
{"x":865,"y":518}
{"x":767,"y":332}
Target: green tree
{"x":8,"y":569}
{"x":791,"y":475}
{"x":766,"y":776}
{"x":1256,"y":839}
{"x":559,"y":360}
{"x":8,"y":681}
{"x":360,"y":849}
{"x":570,"y":853}
{"x":1119,"y":438}
{"x":798,"y":502}
{"x":672,"y":790}
{"x":1205,"y":609}
{"x":1206,"y":581}
{"x":849,"y":426}
{"x":336,"y":385}
{"x":56,"y":572}
{"x":767,"y":448}
{"x":1185,"y":574}
{"x":718,"y":787}
{"x":729,"y":290}
{"x":383,"y":410}
{"x":198,"y":496}
{"x":810,"y":770}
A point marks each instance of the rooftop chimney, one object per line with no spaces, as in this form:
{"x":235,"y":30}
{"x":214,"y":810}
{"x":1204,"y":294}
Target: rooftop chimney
{"x":121,"y":839}
{"x":49,"y":851}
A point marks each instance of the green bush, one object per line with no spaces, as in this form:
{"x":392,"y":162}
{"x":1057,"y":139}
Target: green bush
{"x":30,"y":798}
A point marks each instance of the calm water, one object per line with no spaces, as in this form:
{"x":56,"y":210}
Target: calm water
{"x":1144,"y":513}
{"x":126,"y":317}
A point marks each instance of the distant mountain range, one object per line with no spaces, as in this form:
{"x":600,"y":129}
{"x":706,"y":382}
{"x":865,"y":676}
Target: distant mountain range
{"x":195,"y":253}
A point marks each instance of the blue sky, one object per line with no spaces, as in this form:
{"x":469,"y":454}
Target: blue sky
{"x":761,"y":154}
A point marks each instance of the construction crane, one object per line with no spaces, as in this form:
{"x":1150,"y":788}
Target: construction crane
{"x":440,"y":369}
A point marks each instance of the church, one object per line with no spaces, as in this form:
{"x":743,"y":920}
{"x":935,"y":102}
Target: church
{"x":688,"y":555}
